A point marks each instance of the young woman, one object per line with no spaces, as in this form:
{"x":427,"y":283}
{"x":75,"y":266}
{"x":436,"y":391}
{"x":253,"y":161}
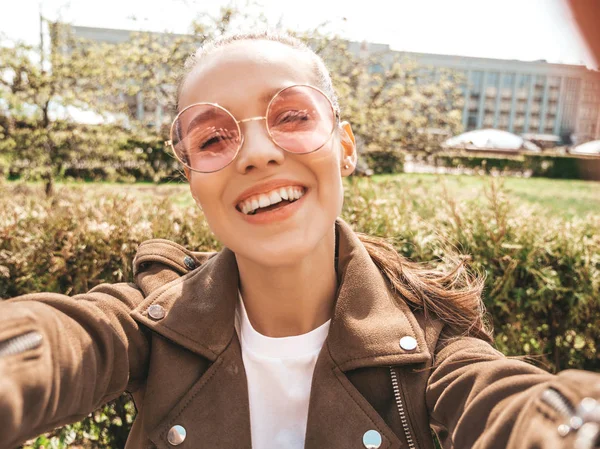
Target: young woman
{"x":300,"y":333}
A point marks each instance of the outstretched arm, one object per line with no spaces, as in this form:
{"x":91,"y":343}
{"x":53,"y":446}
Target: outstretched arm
{"x":62,"y":357}
{"x":478,"y":398}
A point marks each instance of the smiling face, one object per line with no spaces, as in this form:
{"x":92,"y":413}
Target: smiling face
{"x":242,"y":77}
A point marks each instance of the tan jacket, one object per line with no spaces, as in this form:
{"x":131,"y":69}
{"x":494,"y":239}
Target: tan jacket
{"x":169,"y":339}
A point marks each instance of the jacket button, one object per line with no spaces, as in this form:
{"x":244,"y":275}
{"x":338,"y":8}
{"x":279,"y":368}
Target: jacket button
{"x":189,"y":263}
{"x":408,"y":343}
{"x":372,"y":439}
{"x":176,"y":435}
{"x":156,"y":312}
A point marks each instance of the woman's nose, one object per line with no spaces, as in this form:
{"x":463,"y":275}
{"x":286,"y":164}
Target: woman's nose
{"x":258,"y":150}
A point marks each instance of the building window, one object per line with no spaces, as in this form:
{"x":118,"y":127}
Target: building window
{"x":540,"y":81}
{"x":474,"y":103}
{"x":472,"y":121}
{"x":492,"y":78}
{"x":524,"y":81}
{"x":476,"y":81}
{"x":508,"y":79}
{"x":554,"y":81}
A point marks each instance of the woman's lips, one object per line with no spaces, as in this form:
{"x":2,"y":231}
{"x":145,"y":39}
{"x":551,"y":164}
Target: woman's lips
{"x":275,"y":215}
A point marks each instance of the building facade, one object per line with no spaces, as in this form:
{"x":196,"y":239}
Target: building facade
{"x":517,"y":96}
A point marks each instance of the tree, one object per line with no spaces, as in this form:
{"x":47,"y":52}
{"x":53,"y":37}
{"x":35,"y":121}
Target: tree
{"x":41,"y":88}
{"x":152,"y":63}
{"x":392,"y":103}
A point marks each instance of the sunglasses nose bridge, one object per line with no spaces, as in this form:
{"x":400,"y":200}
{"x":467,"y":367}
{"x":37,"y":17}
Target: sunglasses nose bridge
{"x":251,"y":119}
{"x":246,"y":130}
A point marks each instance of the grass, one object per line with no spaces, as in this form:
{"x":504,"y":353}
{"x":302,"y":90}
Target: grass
{"x":553,"y":197}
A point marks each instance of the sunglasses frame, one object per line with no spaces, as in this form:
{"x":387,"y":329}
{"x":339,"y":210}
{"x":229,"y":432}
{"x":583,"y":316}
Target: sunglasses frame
{"x":251,"y":119}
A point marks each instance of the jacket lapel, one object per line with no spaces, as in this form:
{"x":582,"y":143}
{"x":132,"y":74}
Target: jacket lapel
{"x":199,"y":306}
{"x":368,"y":321}
{"x":338,"y":415}
{"x":366,"y":328}
{"x":215,"y":411}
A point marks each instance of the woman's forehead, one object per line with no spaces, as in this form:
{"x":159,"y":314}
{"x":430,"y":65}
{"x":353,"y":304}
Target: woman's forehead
{"x":251,"y":69}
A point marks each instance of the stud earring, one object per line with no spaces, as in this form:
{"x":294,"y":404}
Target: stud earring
{"x":346,"y":166}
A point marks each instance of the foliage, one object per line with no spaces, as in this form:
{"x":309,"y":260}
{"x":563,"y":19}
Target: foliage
{"x":539,"y":165}
{"x":38,"y":85}
{"x":542,"y":276}
{"x":385,"y":162}
{"x":390,"y":102}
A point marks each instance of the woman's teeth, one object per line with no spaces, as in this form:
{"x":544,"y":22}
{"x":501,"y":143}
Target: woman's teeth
{"x":252,"y":204}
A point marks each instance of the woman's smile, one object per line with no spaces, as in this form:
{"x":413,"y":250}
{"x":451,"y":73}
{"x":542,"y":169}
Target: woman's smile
{"x":279,"y":209}
{"x":264,"y":199}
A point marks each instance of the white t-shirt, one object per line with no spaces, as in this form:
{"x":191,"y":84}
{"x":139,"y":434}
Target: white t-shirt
{"x":279,"y":372}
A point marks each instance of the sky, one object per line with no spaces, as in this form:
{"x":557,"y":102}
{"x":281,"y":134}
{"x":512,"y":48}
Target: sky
{"x":505,"y":29}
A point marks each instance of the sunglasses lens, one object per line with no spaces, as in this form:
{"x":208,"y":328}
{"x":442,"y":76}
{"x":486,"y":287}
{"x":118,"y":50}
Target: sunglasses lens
{"x":205,"y":138}
{"x":300,"y":119}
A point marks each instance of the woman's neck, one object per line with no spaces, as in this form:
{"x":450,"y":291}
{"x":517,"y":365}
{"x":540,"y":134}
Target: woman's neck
{"x":292,"y":299}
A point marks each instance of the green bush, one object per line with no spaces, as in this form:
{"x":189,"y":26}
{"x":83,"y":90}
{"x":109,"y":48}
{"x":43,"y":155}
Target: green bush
{"x":564,"y":167}
{"x":542,"y":276}
{"x":540,"y":165}
{"x":384,"y":162}
{"x":92,"y":153}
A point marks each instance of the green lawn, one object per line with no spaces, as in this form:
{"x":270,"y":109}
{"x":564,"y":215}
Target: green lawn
{"x":567,"y":198}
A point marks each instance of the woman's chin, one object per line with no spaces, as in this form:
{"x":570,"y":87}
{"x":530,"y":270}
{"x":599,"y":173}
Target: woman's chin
{"x":279,"y":256}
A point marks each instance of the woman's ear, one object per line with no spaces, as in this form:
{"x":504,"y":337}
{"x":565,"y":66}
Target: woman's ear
{"x":349,"y":155}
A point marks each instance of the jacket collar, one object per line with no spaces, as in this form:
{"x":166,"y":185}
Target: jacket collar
{"x":367,"y":324}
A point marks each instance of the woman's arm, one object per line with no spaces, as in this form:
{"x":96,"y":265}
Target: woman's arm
{"x":478,"y":398}
{"x":62,"y":357}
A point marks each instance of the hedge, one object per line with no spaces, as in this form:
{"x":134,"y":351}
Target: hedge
{"x":542,"y":276}
{"x":539,"y":165}
{"x":135,"y":158}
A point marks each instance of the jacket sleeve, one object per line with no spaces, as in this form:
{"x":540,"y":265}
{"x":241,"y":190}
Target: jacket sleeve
{"x":478,"y":398}
{"x":63,"y":357}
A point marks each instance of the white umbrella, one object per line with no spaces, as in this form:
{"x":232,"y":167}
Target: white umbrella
{"x":592,"y":148}
{"x":490,"y":139}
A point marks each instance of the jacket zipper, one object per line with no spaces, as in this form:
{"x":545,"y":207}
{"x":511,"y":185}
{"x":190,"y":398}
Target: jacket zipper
{"x":558,"y":402}
{"x":401,"y":411}
{"x":588,"y":429}
{"x":20,"y":343}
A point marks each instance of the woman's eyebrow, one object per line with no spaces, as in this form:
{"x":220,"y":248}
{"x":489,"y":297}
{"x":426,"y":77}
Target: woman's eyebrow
{"x":268,"y":95}
{"x":265,"y":98}
{"x":204,"y":115}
